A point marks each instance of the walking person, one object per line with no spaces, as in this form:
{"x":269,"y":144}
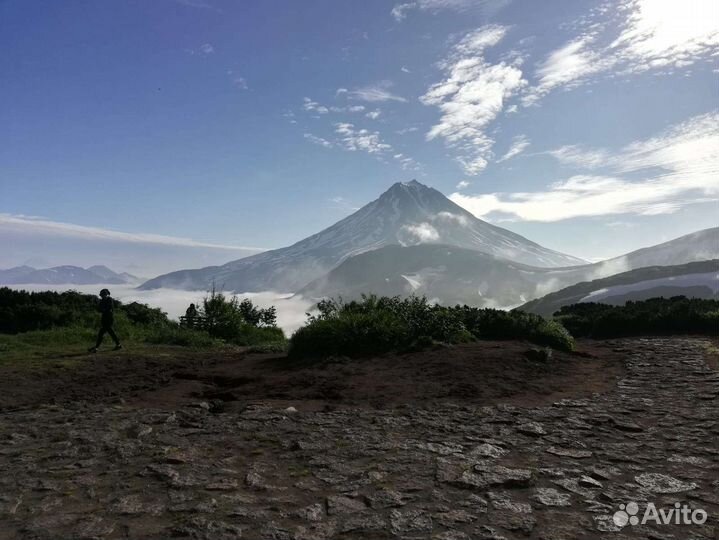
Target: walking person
{"x":106,"y":320}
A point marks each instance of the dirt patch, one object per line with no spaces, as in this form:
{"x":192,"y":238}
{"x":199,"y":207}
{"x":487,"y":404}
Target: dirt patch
{"x":477,"y":373}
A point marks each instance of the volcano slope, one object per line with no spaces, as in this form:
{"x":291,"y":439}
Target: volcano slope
{"x":476,"y":441}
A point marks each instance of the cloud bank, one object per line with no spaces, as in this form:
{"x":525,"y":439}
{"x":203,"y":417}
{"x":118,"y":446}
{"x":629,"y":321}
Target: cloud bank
{"x":678,"y":168}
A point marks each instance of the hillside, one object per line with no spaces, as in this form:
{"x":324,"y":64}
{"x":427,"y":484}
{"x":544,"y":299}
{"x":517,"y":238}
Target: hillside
{"x":695,"y":279}
{"x":406,"y":214}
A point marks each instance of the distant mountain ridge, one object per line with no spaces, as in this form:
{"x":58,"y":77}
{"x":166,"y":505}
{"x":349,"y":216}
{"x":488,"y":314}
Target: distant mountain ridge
{"x":452,"y":275}
{"x":695,"y":279}
{"x":64,"y":275}
{"x":406,"y":214}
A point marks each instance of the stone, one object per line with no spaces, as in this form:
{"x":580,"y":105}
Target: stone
{"x":411,"y":521}
{"x":339,"y":504}
{"x":313,"y":512}
{"x":569,"y":452}
{"x":533,"y":429}
{"x":588,"y":481}
{"x":551,"y":497}
{"x":487,"y":450}
{"x":138,"y":431}
{"x":663,"y":483}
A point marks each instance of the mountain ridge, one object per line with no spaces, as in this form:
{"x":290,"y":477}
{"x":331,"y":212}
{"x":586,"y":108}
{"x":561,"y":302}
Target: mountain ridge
{"x":64,"y":275}
{"x":408,"y":213}
{"x":451,"y":275}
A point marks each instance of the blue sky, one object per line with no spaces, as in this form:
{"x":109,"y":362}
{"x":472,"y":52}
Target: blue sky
{"x":589,"y":127}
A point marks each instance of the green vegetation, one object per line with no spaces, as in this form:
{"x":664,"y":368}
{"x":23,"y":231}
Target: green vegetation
{"x":44,"y":324}
{"x":676,"y":315}
{"x":239,"y":322}
{"x":377,"y":325}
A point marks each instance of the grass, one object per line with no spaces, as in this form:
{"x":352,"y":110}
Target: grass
{"x":67,"y":345}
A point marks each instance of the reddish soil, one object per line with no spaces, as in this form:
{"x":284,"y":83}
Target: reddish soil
{"x":477,"y":373}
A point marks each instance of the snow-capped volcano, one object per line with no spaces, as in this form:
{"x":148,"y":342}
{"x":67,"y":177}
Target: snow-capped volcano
{"x":408,"y":213}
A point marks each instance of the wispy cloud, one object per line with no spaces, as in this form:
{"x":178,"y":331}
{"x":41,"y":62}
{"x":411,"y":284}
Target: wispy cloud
{"x":28,"y":225}
{"x":313,"y":106}
{"x":473,"y":93}
{"x":237,"y":81}
{"x":353,"y":139}
{"x":204,"y":50}
{"x":407,"y":163}
{"x":463,"y":184}
{"x":310,"y":105}
{"x":676,"y":168}
{"x":567,"y":67}
{"x":633,"y":37}
{"x":373,"y":93}
{"x":577,"y":156}
{"x":374,"y":115}
{"x":200,"y":4}
{"x":318,"y":140}
{"x":519,"y":145}
{"x":487,"y":7}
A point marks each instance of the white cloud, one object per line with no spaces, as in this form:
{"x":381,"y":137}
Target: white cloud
{"x":313,"y":106}
{"x":575,"y":156}
{"x":374,"y":115}
{"x":419,"y":234}
{"x":310,"y":105}
{"x":449,"y":217}
{"x":404,"y":69}
{"x":375,"y":93}
{"x":679,"y":167}
{"x":519,"y":145}
{"x":399,"y":12}
{"x":318,"y":140}
{"x":204,"y":49}
{"x":487,"y":7}
{"x":463,"y":184}
{"x":567,"y":67}
{"x":471,"y":96}
{"x":640,"y":35}
{"x":30,"y":225}
{"x":662,"y":32}
{"x":360,"y":139}
{"x":406,"y":162}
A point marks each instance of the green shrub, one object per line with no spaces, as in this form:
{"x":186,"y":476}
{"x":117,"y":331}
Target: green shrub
{"x":350,"y":334}
{"x":375,"y":325}
{"x":239,"y":322}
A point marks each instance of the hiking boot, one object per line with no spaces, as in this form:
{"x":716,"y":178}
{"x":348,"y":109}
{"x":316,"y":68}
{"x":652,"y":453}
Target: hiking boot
{"x":117,"y":347}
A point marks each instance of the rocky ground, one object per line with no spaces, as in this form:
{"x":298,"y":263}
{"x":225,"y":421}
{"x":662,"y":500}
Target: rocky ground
{"x":190,"y":454}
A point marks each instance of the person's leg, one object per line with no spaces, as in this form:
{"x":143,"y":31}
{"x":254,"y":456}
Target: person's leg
{"x":113,"y":335}
{"x":100,"y":336}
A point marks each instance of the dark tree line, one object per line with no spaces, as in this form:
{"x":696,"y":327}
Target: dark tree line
{"x":676,"y":315}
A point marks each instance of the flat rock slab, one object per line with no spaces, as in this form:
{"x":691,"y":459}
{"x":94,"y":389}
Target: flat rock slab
{"x":435,"y":470}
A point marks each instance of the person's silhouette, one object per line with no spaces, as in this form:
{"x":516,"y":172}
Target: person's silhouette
{"x":191,"y":315}
{"x":106,"y":320}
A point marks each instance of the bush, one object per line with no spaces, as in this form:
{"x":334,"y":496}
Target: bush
{"x":376,"y":325}
{"x":239,"y":322}
{"x":665,"y":316}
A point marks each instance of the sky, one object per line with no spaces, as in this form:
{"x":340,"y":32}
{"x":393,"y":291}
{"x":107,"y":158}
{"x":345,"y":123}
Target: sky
{"x":152,"y":136}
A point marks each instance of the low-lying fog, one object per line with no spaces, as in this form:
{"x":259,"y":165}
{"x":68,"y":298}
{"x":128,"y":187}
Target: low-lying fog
{"x":290,"y":311}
